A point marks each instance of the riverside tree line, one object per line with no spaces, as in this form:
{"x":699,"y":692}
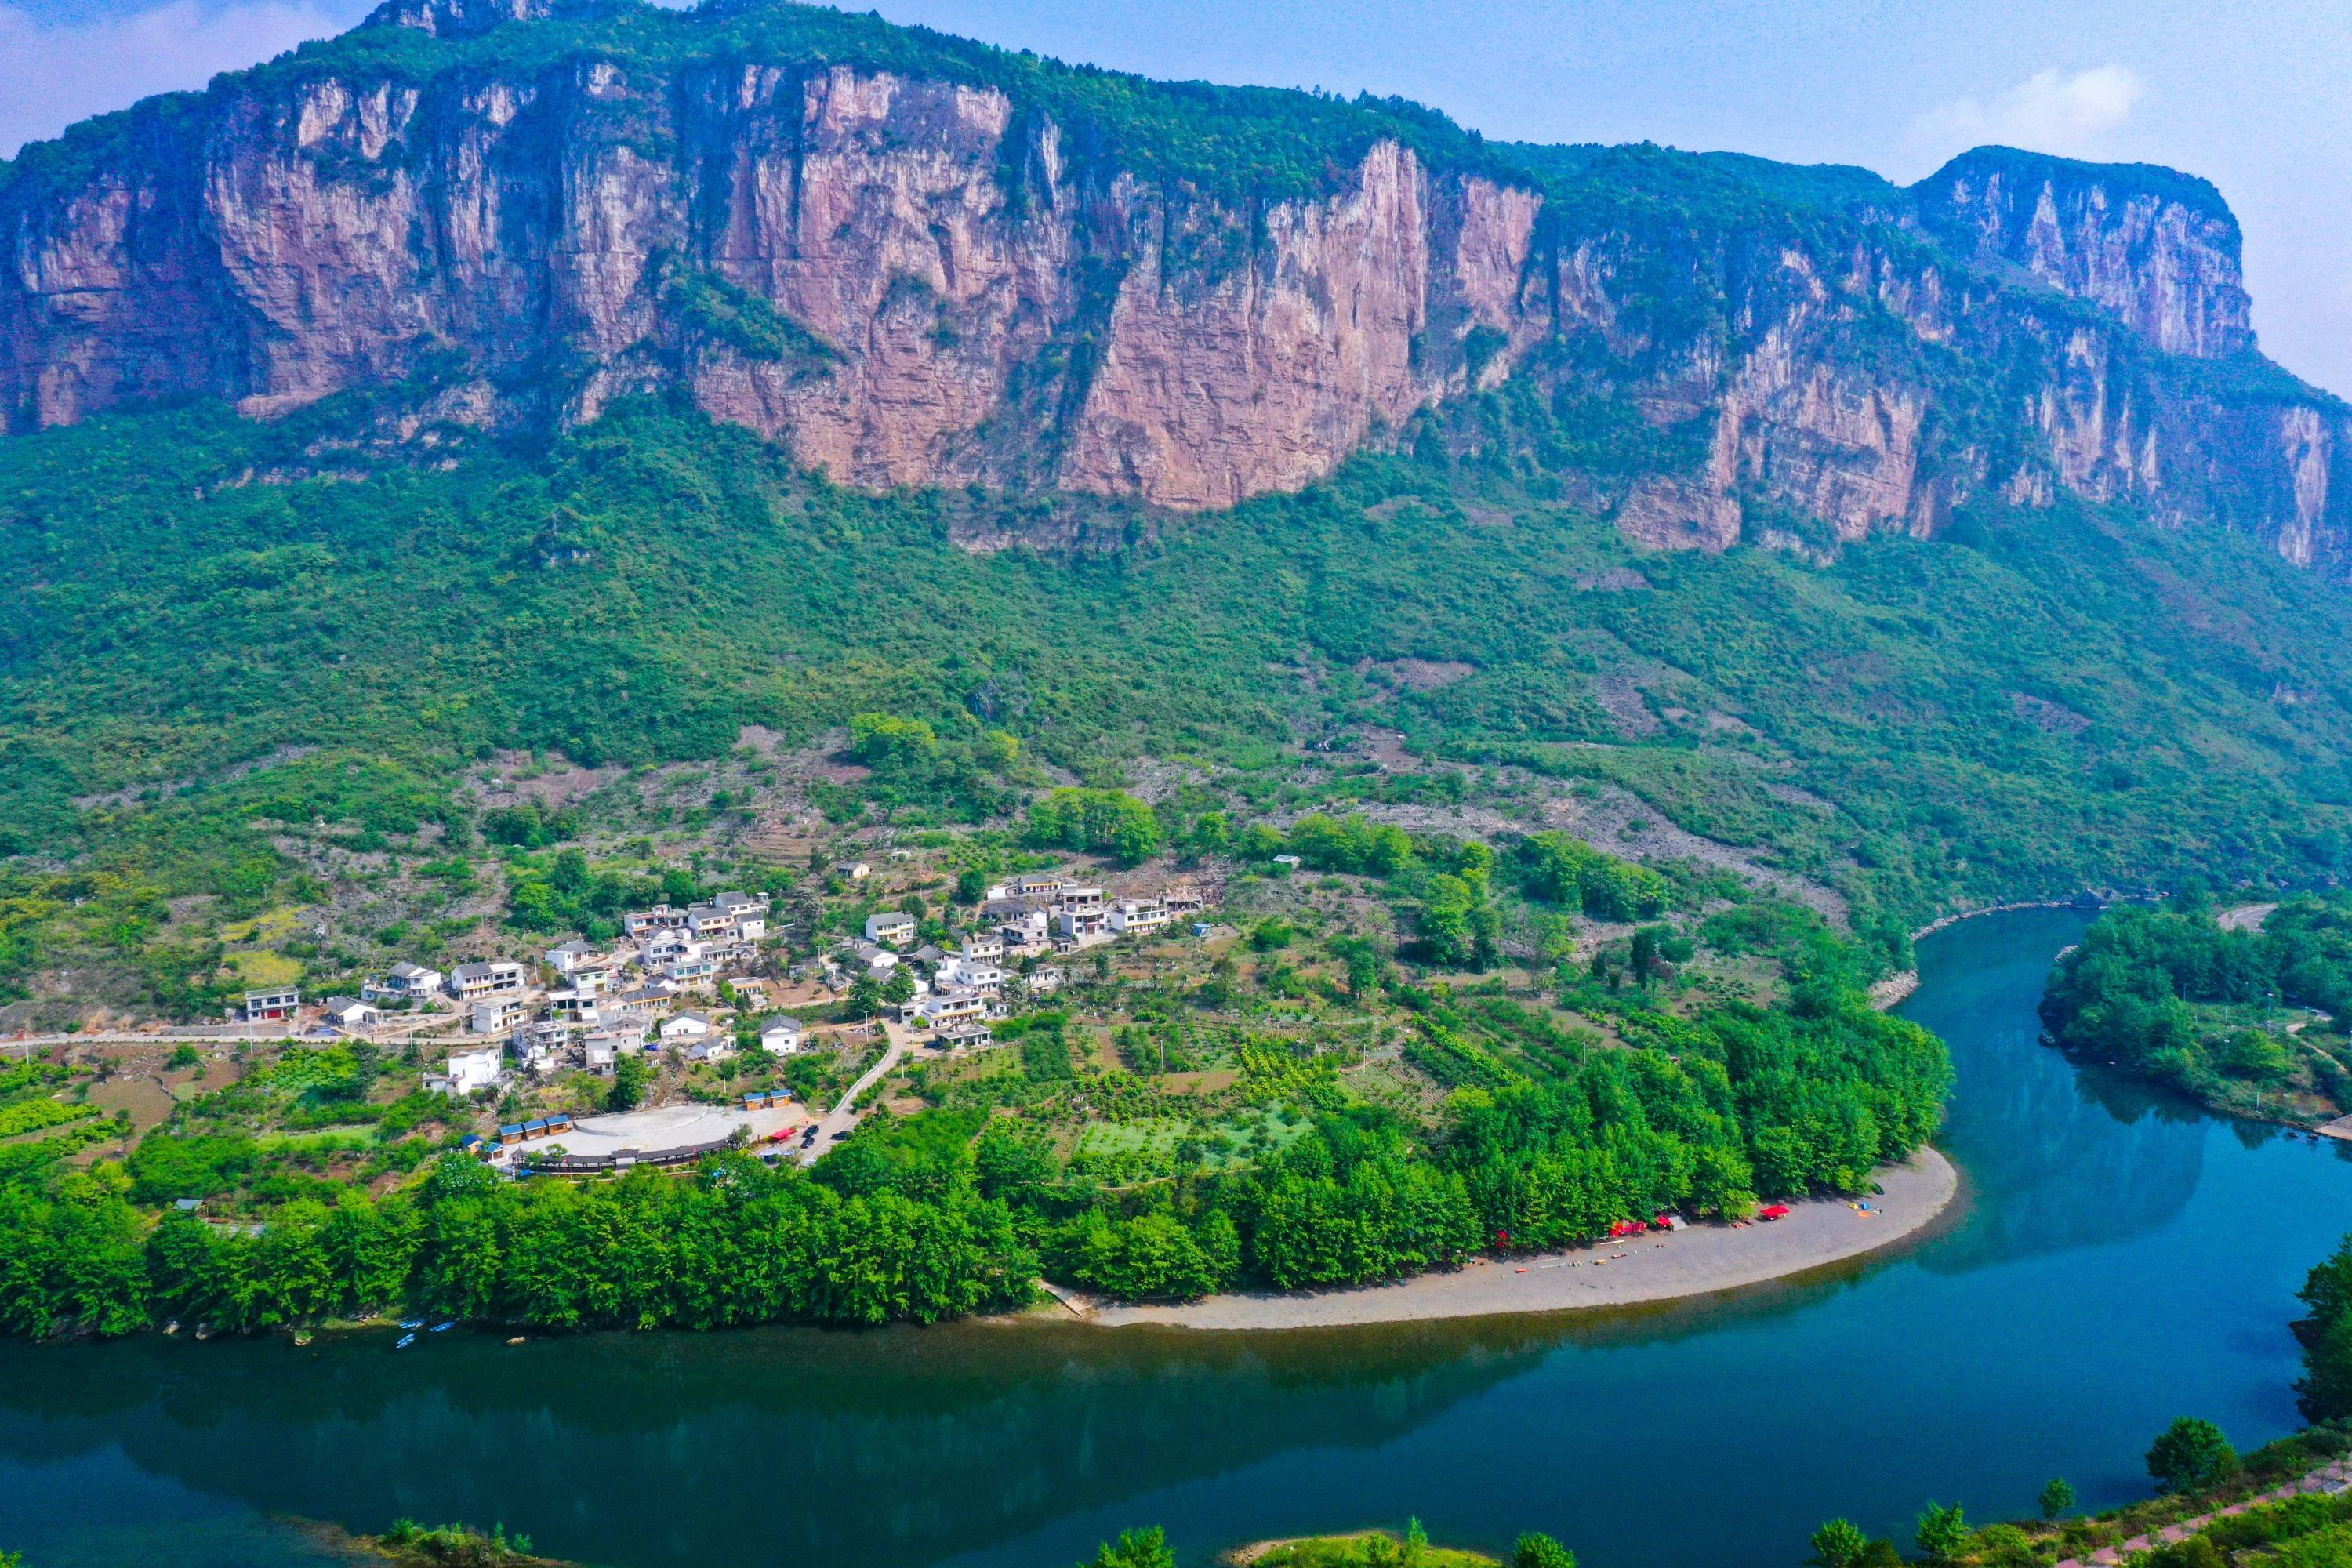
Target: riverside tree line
{"x":2169,"y":993}
{"x":899,"y":1223}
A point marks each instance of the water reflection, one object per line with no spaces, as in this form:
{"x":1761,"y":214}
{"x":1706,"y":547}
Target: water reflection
{"x":969,"y":1433}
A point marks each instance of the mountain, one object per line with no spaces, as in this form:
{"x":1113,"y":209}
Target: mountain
{"x":911,"y":260}
{"x":654,"y":392}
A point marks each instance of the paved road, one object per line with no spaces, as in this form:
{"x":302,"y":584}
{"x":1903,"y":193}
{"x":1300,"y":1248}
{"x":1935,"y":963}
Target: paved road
{"x":26,"y":1044}
{"x":844,"y":1114}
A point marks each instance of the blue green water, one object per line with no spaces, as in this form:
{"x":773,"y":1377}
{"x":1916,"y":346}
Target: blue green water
{"x":2122,"y":1259}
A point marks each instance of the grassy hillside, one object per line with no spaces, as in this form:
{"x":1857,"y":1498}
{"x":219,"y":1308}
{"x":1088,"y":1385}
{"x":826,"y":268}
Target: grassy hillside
{"x":2037,"y":703}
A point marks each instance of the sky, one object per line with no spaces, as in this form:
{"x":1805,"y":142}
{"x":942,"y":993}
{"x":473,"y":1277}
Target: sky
{"x":2251,"y":95}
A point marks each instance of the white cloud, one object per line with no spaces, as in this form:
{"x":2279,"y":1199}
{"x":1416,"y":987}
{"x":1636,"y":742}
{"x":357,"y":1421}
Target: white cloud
{"x":2074,"y":115}
{"x":57,"y":73}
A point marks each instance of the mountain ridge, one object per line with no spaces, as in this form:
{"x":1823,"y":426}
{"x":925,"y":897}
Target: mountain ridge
{"x":908,"y":259}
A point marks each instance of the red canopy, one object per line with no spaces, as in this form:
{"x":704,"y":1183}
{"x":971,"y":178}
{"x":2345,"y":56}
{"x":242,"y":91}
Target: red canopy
{"x":1775,"y":1212}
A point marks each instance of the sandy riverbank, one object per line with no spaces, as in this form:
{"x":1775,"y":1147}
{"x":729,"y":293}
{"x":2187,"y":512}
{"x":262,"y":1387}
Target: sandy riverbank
{"x":1693,"y":1262}
{"x":1945,"y":922}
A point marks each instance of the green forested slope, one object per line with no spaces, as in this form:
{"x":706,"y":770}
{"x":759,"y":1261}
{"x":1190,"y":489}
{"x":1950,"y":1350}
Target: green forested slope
{"x":2040,"y":702}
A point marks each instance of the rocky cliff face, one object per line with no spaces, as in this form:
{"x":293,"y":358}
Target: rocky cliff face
{"x":913,"y":277}
{"x":2157,"y":250}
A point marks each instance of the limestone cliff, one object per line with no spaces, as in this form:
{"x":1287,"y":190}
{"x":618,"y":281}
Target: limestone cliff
{"x":913,"y":260}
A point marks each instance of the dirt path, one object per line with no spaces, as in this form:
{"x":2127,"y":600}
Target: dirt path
{"x":844,"y":1114}
{"x":1694,"y":1262}
{"x":2332,"y":1477}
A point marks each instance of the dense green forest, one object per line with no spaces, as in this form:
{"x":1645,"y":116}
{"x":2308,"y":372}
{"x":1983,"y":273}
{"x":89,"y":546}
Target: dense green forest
{"x":2249,"y":1020}
{"x":2038,"y":703}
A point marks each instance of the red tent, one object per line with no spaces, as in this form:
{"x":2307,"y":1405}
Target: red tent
{"x":1627,"y":1228}
{"x":1775,"y":1212}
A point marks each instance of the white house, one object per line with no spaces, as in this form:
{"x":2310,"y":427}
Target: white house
{"x":658,"y":946}
{"x":1029,"y":885}
{"x":277,"y":1004}
{"x":1046,"y":977}
{"x":1021,"y":927}
{"x":717,"y":1049}
{"x":404,"y":981}
{"x":751,"y":914}
{"x":852,"y":870}
{"x":984,"y":947}
{"x":572,"y":1006}
{"x":685,"y":1026}
{"x":708,"y":922}
{"x":947,"y":1007}
{"x":691,"y":969}
{"x":781,"y":1037}
{"x":495,"y":1015}
{"x":350,"y":1013}
{"x":661,"y":917}
{"x":563,"y":956}
{"x":498,"y":977}
{"x":467,"y":1070}
{"x":600,"y":1050}
{"x":962,"y":975}
{"x":877,"y":961}
{"x":1137,"y":916}
{"x":892,"y":928}
{"x":1077,"y":925}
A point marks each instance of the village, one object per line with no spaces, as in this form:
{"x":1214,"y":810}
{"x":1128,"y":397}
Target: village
{"x":704,"y":984}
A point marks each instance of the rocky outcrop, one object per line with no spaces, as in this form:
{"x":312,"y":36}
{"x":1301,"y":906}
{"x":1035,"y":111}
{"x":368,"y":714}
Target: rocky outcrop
{"x":927,"y":276}
{"x":2157,"y":250}
{"x":831,"y":257}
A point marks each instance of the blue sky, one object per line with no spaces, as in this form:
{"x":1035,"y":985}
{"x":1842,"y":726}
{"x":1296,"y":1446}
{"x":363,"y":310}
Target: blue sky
{"x":2253,"y":96}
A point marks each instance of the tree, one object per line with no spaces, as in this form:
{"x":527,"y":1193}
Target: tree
{"x":1838,"y":1543}
{"x":1943,"y":1532}
{"x":1645,"y":959}
{"x":2057,"y":1497}
{"x":2325,"y":1387}
{"x":1101,"y":820}
{"x":865,"y":996}
{"x":892,"y":745}
{"x":1535,"y":1551}
{"x":630,"y":1078}
{"x":1135,"y":1549}
{"x":2197,"y":1552}
{"x":2327,"y":1289}
{"x":2190,"y":1455}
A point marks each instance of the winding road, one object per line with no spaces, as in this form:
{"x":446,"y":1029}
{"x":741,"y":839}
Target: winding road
{"x":833,"y":1123}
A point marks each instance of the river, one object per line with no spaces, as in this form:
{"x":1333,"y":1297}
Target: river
{"x":2121,"y":1258}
